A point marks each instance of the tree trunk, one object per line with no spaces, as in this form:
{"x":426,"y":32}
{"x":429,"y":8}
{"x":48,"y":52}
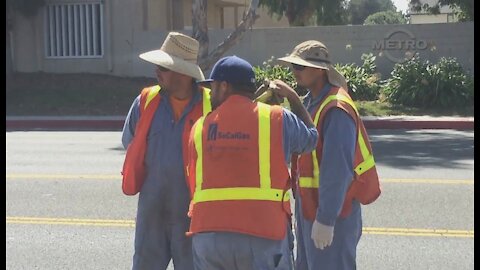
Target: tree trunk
{"x":200,"y":26}
{"x":207,"y":60}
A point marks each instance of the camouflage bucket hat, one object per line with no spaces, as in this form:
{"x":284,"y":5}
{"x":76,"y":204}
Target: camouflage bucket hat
{"x":315,"y":54}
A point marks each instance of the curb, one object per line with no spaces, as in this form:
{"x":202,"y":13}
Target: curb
{"x":115,"y":123}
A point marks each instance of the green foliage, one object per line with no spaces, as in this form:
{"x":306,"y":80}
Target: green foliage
{"x":363,"y":83}
{"x":301,"y":12}
{"x":272,"y":71}
{"x":422,"y":84}
{"x":359,"y":10}
{"x":464,"y":9}
{"x":385,"y":17}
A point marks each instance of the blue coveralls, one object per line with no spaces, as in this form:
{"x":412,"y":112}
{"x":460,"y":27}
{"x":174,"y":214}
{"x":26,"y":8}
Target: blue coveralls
{"x":227,"y":250}
{"x":164,"y":198}
{"x":336,"y":173}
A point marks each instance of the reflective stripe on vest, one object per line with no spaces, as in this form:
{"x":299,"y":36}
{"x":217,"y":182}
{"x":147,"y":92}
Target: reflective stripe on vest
{"x":264,"y":192}
{"x":368,"y":161}
{"x":151,"y":94}
{"x":207,"y":105}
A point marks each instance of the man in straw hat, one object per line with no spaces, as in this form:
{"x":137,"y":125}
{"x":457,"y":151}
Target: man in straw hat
{"x":238,"y":173}
{"x":328,"y":213}
{"x":175,"y":103}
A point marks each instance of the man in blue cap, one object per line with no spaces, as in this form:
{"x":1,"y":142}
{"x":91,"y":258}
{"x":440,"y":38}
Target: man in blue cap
{"x":238,"y":172}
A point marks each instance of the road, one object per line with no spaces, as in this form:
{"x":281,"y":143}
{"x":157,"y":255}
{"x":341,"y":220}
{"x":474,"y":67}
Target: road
{"x":65,"y":208}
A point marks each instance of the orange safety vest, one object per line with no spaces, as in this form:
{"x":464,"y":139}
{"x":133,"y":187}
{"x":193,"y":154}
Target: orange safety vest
{"x":134,"y":171}
{"x":238,"y":172}
{"x":365,"y":186}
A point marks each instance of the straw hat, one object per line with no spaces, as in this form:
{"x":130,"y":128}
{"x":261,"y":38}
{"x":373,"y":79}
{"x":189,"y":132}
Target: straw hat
{"x":178,"y":53}
{"x":313,"y":53}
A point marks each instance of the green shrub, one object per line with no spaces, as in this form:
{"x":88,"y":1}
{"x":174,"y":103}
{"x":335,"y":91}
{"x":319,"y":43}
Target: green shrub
{"x":425,"y":85}
{"x":385,"y":17}
{"x":363,"y":83}
{"x":275,"y":71}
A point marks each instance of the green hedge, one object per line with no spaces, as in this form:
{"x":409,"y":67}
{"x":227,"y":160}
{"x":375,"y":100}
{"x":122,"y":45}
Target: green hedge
{"x":363,"y":82}
{"x":425,"y":85}
{"x":272,"y":71}
{"x":412,"y":83}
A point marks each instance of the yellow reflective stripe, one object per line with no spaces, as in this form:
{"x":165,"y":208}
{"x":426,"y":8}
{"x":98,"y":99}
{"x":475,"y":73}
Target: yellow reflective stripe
{"x":207,"y":105}
{"x":240,"y":193}
{"x":309,"y":182}
{"x":197,"y":137}
{"x":363,"y":146}
{"x":151,"y":94}
{"x":347,"y":100}
{"x":367,"y":163}
{"x":264,"y":145}
{"x":361,"y":140}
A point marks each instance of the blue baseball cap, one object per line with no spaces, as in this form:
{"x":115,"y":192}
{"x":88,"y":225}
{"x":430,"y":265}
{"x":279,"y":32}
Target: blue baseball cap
{"x":232,"y":69}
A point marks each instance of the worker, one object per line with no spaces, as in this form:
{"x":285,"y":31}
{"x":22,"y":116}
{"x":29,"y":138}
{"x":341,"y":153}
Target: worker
{"x":339,"y":174}
{"x":175,"y":104}
{"x":238,"y":172}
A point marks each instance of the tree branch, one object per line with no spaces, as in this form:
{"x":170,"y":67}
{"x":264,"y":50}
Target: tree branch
{"x":232,"y":39}
{"x":200,"y":26}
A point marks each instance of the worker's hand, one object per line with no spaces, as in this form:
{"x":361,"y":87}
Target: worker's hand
{"x":322,"y":235}
{"x":282,"y":89}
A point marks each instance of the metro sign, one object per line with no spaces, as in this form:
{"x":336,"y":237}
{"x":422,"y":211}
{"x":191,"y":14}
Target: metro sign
{"x":399,"y":49}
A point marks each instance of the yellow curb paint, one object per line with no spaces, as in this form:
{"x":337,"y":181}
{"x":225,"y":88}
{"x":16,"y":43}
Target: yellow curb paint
{"x":419,"y":232}
{"x":119,"y":177}
{"x":131,"y":223}
{"x":71,"y":221}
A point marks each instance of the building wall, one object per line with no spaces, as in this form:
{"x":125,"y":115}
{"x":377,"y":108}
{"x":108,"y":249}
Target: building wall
{"x":420,"y":17}
{"x":346,"y":44}
{"x":267,"y":21}
{"x":156,"y":19}
{"x":429,"y":18}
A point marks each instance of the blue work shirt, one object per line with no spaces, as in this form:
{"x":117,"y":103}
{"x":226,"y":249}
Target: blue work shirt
{"x":165,"y":183}
{"x":297,"y":137}
{"x":336,"y":167}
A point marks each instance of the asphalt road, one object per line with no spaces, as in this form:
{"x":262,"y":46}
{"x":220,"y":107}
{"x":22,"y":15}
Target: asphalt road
{"x":65,"y":208}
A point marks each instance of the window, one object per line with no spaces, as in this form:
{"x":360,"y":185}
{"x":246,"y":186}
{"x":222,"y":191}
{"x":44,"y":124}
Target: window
{"x":74,"y":30}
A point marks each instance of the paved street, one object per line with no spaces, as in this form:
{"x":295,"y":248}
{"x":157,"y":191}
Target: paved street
{"x":66,"y":210}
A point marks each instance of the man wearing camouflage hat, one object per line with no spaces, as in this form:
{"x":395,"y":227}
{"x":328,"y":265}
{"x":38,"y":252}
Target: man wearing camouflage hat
{"x":328,"y":213}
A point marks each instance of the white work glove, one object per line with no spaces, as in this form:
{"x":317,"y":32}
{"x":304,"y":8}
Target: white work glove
{"x":322,"y":235}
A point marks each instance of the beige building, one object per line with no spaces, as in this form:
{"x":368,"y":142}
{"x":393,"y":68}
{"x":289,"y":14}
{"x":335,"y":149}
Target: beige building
{"x":222,"y":14}
{"x":421,"y":17}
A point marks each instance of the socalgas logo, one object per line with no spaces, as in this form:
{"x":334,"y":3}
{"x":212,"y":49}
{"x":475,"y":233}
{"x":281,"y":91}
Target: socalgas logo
{"x":214,"y":134}
{"x":399,"y":45}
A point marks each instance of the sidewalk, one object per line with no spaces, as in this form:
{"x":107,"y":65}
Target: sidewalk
{"x":115,"y":123}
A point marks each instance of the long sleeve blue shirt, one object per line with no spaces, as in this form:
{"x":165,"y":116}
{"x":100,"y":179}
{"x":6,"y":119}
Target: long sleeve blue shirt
{"x":297,"y":137}
{"x":338,"y":134}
